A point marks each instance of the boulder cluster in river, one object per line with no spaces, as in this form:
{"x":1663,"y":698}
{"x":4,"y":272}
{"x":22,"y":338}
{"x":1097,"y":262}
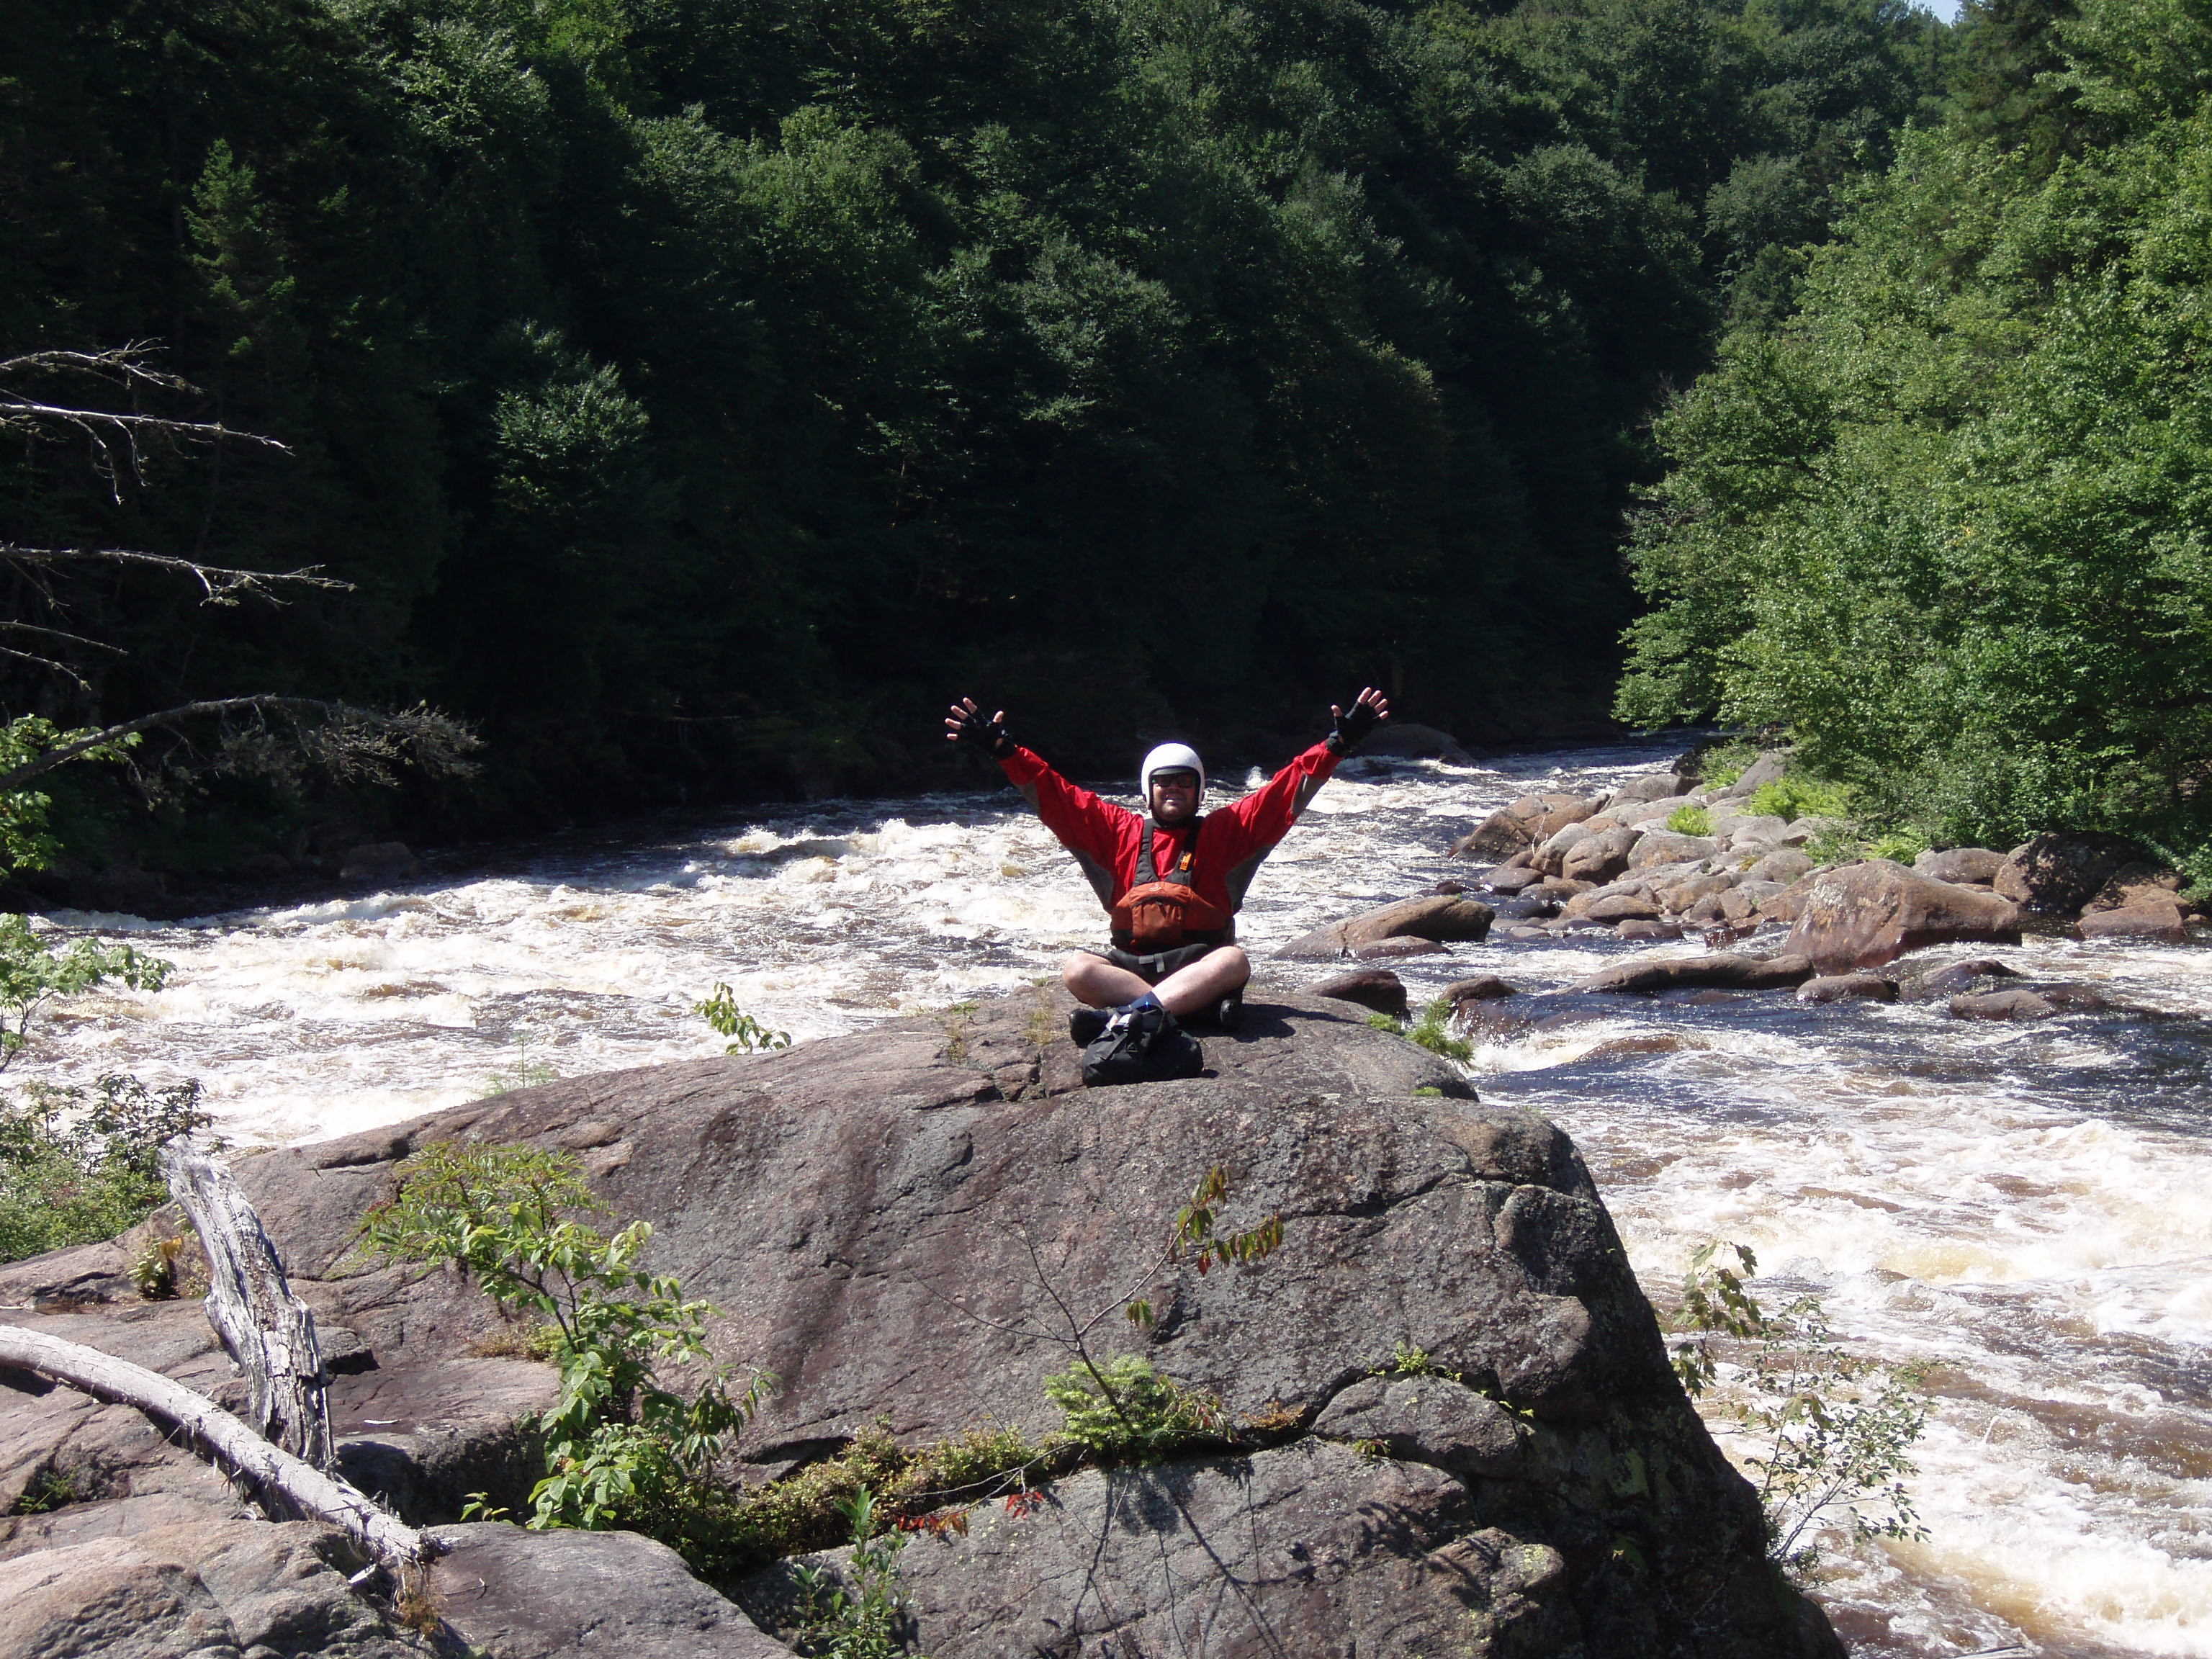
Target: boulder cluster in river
{"x":1562,"y":865}
{"x":1450,"y":1426}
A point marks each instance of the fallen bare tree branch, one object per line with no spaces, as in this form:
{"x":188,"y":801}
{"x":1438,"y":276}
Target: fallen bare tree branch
{"x":222,"y":584}
{"x":285,"y":1487}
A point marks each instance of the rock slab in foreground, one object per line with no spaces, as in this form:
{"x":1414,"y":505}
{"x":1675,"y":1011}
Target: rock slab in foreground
{"x":881,"y":1216}
{"x":1864,"y":914}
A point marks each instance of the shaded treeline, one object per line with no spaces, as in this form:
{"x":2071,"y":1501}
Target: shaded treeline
{"x":1951,"y":521}
{"x":697,"y":390}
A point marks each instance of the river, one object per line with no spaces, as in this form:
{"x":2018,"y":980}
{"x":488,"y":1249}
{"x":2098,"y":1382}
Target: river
{"x":2022,"y":1209}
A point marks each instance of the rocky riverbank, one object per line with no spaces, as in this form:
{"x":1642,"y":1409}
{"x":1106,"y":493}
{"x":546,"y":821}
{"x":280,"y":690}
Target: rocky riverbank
{"x":890,"y":1222}
{"x":1662,"y":858}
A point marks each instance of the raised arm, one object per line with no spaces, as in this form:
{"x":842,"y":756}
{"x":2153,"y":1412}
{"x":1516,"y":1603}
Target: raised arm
{"x":1088,"y":827}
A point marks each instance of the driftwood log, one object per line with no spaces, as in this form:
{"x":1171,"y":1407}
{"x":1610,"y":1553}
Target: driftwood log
{"x":284,"y":1485}
{"x":267,"y":1331}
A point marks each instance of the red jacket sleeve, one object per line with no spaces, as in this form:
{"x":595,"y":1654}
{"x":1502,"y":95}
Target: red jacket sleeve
{"x":1102,"y":835}
{"x":1239,"y":835}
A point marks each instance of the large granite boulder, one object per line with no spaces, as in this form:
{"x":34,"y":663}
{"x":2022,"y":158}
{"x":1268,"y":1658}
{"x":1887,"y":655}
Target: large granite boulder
{"x":1973,"y":867}
{"x":1718,"y":970}
{"x":1439,"y":918}
{"x":1520,"y":825}
{"x":2056,"y":872}
{"x":894,"y":1222}
{"x":1861,"y":915}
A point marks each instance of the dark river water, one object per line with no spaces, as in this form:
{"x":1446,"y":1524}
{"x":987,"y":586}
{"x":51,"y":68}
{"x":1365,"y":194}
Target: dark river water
{"x":2024,"y":1210}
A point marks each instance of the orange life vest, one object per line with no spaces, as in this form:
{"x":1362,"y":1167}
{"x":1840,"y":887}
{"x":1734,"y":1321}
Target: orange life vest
{"x":1164,"y":912}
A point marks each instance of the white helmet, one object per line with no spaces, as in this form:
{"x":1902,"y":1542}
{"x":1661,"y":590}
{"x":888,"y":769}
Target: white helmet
{"x":1171,"y":757}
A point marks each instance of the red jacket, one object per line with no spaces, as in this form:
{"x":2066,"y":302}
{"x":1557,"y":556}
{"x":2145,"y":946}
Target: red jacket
{"x":1231,"y":839}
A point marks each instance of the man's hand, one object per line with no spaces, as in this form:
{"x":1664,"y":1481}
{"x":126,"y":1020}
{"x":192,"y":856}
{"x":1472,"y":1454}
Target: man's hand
{"x":1368,"y":710}
{"x":966,"y":724}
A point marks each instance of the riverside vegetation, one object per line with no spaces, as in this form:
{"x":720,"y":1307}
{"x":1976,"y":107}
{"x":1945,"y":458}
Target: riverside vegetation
{"x":687,"y":387}
{"x":1944,"y":517}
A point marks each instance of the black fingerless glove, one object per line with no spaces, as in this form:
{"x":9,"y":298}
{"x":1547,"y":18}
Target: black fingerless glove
{"x":980,"y":732}
{"x":1351,"y":728}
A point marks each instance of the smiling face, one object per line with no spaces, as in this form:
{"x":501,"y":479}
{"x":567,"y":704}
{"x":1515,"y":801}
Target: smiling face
{"x":1174,"y":797}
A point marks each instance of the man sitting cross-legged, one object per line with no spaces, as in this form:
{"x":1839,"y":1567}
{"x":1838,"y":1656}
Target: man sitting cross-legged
{"x":1172,"y":881}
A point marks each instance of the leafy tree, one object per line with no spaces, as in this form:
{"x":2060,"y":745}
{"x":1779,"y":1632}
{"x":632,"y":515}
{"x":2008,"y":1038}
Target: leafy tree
{"x":1948,"y":525}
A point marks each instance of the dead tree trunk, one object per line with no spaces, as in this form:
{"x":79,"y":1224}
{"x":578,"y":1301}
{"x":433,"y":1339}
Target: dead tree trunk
{"x":284,"y":1485}
{"x":268,"y":1331}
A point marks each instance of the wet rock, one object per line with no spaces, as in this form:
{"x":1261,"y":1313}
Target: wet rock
{"x":1610,"y":907}
{"x":1664,"y":847}
{"x":1434,"y":918}
{"x":1527,"y":932}
{"x":1370,"y":987}
{"x":1483,"y":988}
{"x":1970,"y":866}
{"x":1522,"y":825}
{"x":1719,"y":970}
{"x":1784,"y":865}
{"x":382,"y":860}
{"x":1558,"y":889}
{"x":509,"y":1594}
{"x":1551,"y":855}
{"x":1648,"y":930}
{"x":1509,"y":879}
{"x":1861,"y":915}
{"x":1600,"y":857}
{"x":2163,"y":924}
{"x":1767,"y":769}
{"x":2137,"y":886}
{"x":1398,"y":946}
{"x":1449,"y":889}
{"x":1975,"y":974}
{"x":1848,"y":987}
{"x":2019,"y":1003}
{"x":1525,"y":909}
{"x":1747,"y":900}
{"x":1704,"y":912}
{"x":2056,"y":872}
{"x":1405,"y":740}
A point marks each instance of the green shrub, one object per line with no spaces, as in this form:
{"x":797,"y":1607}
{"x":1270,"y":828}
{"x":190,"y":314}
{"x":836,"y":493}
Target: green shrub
{"x":1432,"y":1030}
{"x":1689,"y":821}
{"x":1127,"y":1413}
{"x":1902,"y":845}
{"x":862,"y":1622}
{"x":77,"y":1166}
{"x":1793,"y":796}
{"x":747,"y":1034}
{"x":623,"y":1448}
{"x":1722,"y":764}
{"x":1834,"y":1431}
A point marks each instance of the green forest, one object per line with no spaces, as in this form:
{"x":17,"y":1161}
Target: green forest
{"x":1948,"y":520}
{"x":687,"y":396}
{"x":694,"y":394}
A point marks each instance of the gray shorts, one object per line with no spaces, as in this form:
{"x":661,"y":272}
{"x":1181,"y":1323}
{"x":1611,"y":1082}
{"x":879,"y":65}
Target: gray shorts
{"x":1154,"y":968}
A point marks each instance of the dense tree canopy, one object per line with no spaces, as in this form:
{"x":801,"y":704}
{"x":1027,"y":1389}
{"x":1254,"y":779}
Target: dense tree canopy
{"x":1952,"y":522}
{"x":696,"y":390}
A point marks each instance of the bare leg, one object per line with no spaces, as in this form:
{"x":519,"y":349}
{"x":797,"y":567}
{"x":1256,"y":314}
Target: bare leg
{"x":1095,"y":980}
{"x":1206,"y":981}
